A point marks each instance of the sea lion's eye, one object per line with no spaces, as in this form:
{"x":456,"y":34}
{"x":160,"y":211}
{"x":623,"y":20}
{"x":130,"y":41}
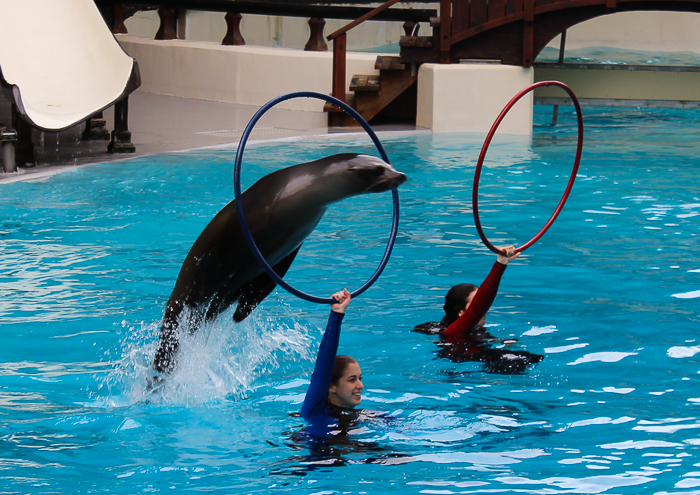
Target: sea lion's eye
{"x":371,"y":171}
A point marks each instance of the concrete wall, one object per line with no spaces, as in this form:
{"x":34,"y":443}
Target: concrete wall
{"x":249,"y":75}
{"x":469,"y":97}
{"x":623,"y":85}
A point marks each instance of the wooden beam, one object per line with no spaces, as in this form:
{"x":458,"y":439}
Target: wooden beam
{"x":118,"y":26}
{"x":528,"y":33}
{"x":445,"y":24}
{"x":339,"y":66}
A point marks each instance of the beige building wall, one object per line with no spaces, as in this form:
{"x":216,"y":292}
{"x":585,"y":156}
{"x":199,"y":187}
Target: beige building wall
{"x":645,"y":31}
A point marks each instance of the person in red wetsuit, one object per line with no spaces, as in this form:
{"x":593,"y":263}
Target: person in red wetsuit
{"x":463,"y":336}
{"x":463,"y":318}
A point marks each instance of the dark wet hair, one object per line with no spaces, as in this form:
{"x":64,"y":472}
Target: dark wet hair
{"x":455,"y":300}
{"x":340,"y":364}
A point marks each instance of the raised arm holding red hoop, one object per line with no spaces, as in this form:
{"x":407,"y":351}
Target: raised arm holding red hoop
{"x":462,"y":332}
{"x":485,"y":147}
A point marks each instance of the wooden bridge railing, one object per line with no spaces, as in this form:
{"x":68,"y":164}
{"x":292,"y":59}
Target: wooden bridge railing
{"x":338,"y":9}
{"x":515,"y":31}
{"x":461,"y":19}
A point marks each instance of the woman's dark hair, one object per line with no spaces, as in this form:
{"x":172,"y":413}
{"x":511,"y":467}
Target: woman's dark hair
{"x":339,"y":366}
{"x":455,"y":300}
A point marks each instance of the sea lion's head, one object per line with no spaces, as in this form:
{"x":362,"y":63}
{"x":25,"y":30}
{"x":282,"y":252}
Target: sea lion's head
{"x":380,"y":175}
{"x":360,"y":174}
{"x":314,"y":185}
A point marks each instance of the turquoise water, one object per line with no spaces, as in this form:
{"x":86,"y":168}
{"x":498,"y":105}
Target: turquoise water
{"x":607,"y":55}
{"x":590,"y":55}
{"x":609,"y":296}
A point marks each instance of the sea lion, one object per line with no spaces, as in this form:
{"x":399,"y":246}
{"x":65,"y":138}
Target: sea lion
{"x":281,"y":209}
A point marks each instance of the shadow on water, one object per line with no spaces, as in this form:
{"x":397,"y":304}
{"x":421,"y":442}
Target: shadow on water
{"x":501,"y":361}
{"x":349,"y":441}
{"x":497,"y":355}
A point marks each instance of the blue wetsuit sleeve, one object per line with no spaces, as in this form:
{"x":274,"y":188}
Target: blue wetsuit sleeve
{"x":315,"y":400}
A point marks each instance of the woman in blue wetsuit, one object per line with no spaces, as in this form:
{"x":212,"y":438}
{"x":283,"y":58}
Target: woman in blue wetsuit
{"x":336,"y":384}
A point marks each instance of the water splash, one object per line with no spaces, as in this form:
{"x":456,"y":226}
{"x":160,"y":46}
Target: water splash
{"x":221,"y":360}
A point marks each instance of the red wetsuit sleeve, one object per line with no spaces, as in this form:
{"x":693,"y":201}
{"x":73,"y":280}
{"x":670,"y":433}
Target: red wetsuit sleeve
{"x":479,"y":306}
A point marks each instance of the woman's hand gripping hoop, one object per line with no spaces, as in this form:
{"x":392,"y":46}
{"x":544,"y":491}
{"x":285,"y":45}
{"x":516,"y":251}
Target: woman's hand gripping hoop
{"x":239,"y":203}
{"x":477,"y":172}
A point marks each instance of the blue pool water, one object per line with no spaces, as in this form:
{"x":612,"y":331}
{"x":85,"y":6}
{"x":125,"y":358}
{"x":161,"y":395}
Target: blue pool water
{"x":609,"y":296}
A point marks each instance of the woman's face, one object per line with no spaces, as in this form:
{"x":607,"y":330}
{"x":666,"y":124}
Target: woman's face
{"x":348,"y":391}
{"x":482,"y":322}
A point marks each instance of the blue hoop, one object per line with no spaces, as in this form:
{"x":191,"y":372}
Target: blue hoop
{"x":239,"y":202}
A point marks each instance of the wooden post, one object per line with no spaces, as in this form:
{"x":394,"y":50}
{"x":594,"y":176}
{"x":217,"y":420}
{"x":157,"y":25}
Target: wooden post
{"x":562,"y":47}
{"x":166,"y":31}
{"x":8,"y":141}
{"x":528,"y":33}
{"x":233,"y":31}
{"x":408,"y":27}
{"x":445,"y":24}
{"x":339,"y":69}
{"x":339,"y":66}
{"x":24,"y":153}
{"x":316,"y":42}
{"x":118,"y":26}
{"x":95,"y":128}
{"x":121,"y":136}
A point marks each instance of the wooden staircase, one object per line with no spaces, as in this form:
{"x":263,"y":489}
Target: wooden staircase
{"x":389,"y":93}
{"x":422,"y":49}
{"x":394,"y":93}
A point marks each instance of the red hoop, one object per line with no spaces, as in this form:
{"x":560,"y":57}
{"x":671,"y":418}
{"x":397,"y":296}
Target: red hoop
{"x":479,"y":164}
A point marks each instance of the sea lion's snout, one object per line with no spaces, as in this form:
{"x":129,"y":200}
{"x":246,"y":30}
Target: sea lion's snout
{"x":374,"y":174}
{"x":380,"y":175}
{"x":387,"y":178}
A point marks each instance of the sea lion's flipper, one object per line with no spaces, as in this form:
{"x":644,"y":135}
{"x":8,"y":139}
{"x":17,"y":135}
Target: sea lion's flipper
{"x":258,"y":288}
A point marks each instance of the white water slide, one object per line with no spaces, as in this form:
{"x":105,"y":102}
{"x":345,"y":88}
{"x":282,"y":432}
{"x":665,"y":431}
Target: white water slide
{"x":60,"y":63}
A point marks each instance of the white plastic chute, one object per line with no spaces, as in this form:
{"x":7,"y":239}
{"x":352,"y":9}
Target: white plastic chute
{"x":60,"y":63}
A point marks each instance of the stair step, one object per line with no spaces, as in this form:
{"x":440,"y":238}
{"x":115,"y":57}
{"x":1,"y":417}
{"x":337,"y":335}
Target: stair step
{"x":387,"y":62}
{"x":329,"y":107}
{"x":365,"y":83}
{"x":416,"y":42}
